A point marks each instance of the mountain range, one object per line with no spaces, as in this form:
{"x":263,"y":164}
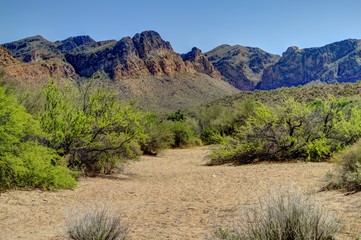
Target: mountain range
{"x":146,"y":66}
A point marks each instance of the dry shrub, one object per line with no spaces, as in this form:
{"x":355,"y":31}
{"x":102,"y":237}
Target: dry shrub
{"x":97,"y":223}
{"x":283,"y":216}
{"x":348,"y":172}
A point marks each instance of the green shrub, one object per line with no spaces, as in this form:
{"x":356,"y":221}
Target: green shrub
{"x":24,"y":162}
{"x":91,"y":126}
{"x":283,"y":216}
{"x":184,"y":134}
{"x":159,"y":135}
{"x":293,"y":130}
{"x":210,"y":135}
{"x":98,"y":223}
{"x":348,"y":172}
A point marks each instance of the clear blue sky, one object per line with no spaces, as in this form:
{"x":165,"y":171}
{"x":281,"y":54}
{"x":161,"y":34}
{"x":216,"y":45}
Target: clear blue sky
{"x":272,"y":25}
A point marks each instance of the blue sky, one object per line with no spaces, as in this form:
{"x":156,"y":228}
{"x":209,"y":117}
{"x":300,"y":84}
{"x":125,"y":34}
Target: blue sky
{"x":272,"y":25}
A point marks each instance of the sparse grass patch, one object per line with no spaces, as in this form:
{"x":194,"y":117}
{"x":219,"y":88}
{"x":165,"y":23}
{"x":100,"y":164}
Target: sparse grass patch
{"x":290,"y":215}
{"x":97,"y":223}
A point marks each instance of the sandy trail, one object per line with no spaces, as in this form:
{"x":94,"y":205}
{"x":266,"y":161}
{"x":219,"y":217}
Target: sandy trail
{"x":173,"y":196}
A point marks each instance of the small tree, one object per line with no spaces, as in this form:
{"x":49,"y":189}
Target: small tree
{"x":92,"y":127}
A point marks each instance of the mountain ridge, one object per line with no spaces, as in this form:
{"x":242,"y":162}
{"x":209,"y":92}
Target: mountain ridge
{"x":147,"y":54}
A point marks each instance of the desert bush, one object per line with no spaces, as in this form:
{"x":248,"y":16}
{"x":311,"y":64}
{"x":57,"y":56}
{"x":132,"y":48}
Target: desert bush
{"x":348,"y":171}
{"x":97,"y":223}
{"x":159,"y":134}
{"x":24,"y":162}
{"x":289,"y":215}
{"x":210,"y":135}
{"x":90,"y":126}
{"x":184,"y":134}
{"x":293,"y":130}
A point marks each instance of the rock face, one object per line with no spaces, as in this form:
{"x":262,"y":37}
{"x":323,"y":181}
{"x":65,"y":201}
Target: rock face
{"x":199,"y":62}
{"x":33,"y":71}
{"x":242,"y":67}
{"x":336,"y":62}
{"x":146,"y":54}
{"x":6,"y":58}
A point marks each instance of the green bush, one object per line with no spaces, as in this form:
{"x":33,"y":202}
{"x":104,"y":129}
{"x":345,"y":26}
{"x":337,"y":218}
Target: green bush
{"x":184,"y":134}
{"x":24,"y":162}
{"x":283,"y":216}
{"x":293,"y":130}
{"x":348,"y":172}
{"x":210,"y":135}
{"x":91,"y":126}
{"x":98,"y":223}
{"x":159,"y":135}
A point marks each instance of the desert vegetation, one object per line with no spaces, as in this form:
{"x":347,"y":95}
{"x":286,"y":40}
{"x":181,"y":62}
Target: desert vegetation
{"x":86,"y":129}
{"x":286,"y":215}
{"x":97,"y":222}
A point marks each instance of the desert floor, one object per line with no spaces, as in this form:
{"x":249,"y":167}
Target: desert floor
{"x":173,"y":196}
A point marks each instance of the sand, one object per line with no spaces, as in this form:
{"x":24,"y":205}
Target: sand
{"x":172,"y":196}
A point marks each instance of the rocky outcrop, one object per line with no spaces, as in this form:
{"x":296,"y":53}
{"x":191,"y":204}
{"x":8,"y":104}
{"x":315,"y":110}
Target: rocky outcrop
{"x":6,"y":58}
{"x":242,"y":67}
{"x":336,"y":62}
{"x":73,"y":42}
{"x":199,"y":62}
{"x":144,"y":54}
{"x":39,"y":71}
{"x":33,"y":71}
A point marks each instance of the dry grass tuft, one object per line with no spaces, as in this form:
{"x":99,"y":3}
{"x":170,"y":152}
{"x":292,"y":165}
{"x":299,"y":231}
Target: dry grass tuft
{"x":97,"y":223}
{"x":291,"y":215}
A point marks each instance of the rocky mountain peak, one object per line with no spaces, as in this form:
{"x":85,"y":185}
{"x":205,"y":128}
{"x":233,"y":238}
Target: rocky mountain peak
{"x":241,"y":66}
{"x":73,"y":42}
{"x":194,"y":54}
{"x":125,"y":46}
{"x":148,"y":41}
{"x":199,"y":62}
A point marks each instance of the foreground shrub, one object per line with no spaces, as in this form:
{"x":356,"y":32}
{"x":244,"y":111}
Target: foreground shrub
{"x":97,"y":223}
{"x":24,"y":162}
{"x":285,"y":216}
{"x":348,"y":171}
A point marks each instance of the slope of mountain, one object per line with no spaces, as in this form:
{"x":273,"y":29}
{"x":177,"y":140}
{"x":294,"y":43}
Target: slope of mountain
{"x":336,"y":62}
{"x":241,"y":66}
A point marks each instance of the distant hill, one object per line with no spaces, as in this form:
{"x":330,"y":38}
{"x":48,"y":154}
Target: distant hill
{"x":336,"y":62}
{"x":242,"y":67}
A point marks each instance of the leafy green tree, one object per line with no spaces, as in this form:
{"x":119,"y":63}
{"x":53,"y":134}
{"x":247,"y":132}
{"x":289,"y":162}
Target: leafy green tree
{"x":91,"y":126}
{"x":24,"y":162}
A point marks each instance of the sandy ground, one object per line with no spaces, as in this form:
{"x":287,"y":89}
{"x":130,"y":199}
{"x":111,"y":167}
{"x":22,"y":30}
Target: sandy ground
{"x":173,"y":196}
